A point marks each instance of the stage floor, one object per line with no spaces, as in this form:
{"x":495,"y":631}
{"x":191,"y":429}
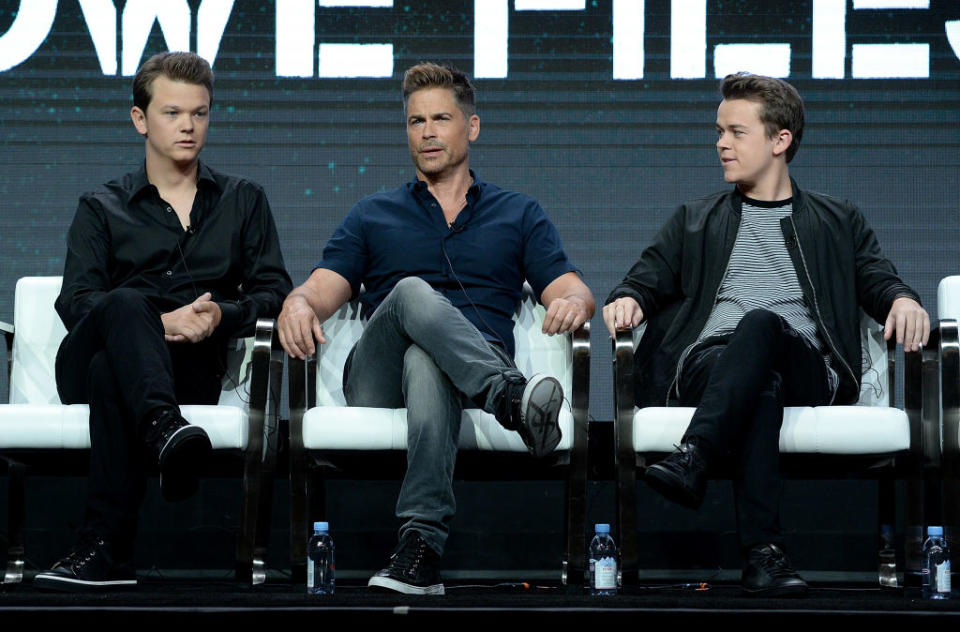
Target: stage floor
{"x":274,"y":602}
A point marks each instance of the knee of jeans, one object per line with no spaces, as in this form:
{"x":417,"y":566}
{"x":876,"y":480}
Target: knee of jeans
{"x":411,"y":289}
{"x":124,"y":300}
{"x":760,"y":320}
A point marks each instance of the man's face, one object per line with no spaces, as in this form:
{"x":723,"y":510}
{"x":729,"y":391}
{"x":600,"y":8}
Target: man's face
{"x":746,"y":152}
{"x":438,"y":133}
{"x":175,"y":123}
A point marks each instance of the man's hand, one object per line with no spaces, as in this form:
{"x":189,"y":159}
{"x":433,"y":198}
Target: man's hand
{"x":569,"y":304}
{"x":563,"y":315}
{"x":298,"y":327}
{"x":910,"y":322}
{"x":623,"y":313}
{"x":192,"y":322}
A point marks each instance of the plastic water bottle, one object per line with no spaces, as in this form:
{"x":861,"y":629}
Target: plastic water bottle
{"x":320,"y":561}
{"x":935,"y":574}
{"x":603,"y":562}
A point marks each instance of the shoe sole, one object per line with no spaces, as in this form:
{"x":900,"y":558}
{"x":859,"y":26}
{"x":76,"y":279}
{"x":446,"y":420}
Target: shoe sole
{"x":671,"y":487}
{"x":70,"y":584}
{"x":540,"y":424}
{"x":180,"y":462}
{"x":408,"y":589}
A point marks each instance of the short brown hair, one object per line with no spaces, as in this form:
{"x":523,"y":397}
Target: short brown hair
{"x":430,"y":75}
{"x":185,"y":67}
{"x":781,"y":105}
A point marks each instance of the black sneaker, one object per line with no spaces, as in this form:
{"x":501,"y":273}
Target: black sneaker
{"x":767,"y":573}
{"x":180,"y":449}
{"x":532,"y":408}
{"x":680,"y":477}
{"x":413,"y":569}
{"x":89,"y":567}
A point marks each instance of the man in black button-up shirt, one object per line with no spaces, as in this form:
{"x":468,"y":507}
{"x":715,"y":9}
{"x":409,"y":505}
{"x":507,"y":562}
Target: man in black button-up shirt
{"x":163,"y":267}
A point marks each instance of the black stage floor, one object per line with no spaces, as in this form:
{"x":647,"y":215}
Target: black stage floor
{"x":277,"y":603}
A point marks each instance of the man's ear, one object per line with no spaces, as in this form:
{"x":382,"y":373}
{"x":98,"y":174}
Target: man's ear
{"x":473,"y":128}
{"x":139,"y":118}
{"x":782,"y":142}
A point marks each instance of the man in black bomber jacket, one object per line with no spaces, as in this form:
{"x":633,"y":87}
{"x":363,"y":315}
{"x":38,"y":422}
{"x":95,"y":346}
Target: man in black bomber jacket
{"x":755,"y":292}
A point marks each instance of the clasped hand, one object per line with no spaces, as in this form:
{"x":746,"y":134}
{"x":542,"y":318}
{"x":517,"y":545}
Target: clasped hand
{"x":193,"y":322}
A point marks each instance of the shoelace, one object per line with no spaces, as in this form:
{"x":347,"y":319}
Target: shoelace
{"x":686,"y":454}
{"x":81,"y":555}
{"x":407,"y":558}
{"x":776,"y":563}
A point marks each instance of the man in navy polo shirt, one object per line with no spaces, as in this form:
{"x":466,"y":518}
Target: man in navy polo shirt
{"x":443,"y":259}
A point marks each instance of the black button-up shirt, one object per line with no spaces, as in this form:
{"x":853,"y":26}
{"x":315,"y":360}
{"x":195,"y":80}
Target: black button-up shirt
{"x":125,"y":236}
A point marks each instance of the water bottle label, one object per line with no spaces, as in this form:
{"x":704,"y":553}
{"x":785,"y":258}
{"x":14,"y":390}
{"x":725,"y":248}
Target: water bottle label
{"x":605,"y":573}
{"x":310,"y":566}
{"x":943,"y":577}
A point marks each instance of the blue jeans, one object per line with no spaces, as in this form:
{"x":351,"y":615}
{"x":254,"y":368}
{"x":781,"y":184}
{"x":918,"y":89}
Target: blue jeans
{"x":419,"y":351}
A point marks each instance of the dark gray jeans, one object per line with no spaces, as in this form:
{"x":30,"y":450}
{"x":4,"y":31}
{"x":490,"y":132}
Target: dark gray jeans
{"x":419,"y":352}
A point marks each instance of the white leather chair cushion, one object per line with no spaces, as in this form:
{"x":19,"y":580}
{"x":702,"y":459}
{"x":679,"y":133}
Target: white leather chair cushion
{"x":806,"y":430}
{"x":355,"y":428}
{"x":59,"y":427}
{"x":948,"y":298}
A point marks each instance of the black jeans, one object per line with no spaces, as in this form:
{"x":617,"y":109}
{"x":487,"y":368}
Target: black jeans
{"x":740,"y":385}
{"x":117,"y":360}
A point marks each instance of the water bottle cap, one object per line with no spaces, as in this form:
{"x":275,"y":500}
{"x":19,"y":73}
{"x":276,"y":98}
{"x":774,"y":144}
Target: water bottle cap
{"x":602,"y":528}
{"x":935,"y":531}
{"x":321,"y":527}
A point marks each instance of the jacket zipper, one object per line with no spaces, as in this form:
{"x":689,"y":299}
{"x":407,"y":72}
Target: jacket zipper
{"x":816,"y":305}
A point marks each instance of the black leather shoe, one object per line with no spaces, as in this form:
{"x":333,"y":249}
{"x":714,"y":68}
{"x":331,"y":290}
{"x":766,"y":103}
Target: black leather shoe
{"x":680,"y":477}
{"x":532,"y":408}
{"x":89,"y":567}
{"x":413,"y":569}
{"x":767,"y":573}
{"x":181,"y":450}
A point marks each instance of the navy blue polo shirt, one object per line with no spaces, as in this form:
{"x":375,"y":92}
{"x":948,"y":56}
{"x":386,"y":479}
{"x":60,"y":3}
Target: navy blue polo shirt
{"x":499,"y":239}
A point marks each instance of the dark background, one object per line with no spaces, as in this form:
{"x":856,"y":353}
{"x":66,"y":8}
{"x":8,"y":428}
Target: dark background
{"x":608,"y":159}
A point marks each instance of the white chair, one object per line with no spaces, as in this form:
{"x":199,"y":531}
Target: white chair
{"x":324,"y":431}
{"x":39,"y":433}
{"x":871,"y":438}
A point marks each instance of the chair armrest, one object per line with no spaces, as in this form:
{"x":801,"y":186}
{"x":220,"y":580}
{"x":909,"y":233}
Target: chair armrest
{"x":921,"y":392}
{"x":266,"y":374}
{"x":580,"y":397}
{"x":948,"y":385}
{"x":302,"y":391}
{"x":623,"y":400}
{"x":625,"y":459}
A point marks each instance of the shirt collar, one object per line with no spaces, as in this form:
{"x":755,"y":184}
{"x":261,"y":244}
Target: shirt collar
{"x":418,"y":186}
{"x":139,"y":182}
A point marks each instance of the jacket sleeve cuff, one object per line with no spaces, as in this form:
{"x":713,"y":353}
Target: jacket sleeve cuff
{"x":230,"y":316}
